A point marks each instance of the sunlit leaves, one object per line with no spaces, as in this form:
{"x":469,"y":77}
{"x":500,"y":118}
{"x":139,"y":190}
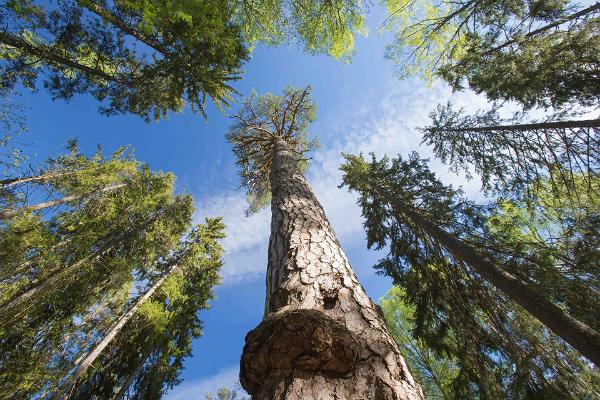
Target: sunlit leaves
{"x":321,"y":27}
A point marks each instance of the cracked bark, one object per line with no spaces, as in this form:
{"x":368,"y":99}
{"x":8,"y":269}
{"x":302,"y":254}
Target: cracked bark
{"x":322,"y":337}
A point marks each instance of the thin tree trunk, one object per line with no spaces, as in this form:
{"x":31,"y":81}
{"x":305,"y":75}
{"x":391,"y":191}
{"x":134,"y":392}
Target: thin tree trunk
{"x":321,"y":337}
{"x":583,"y":338}
{"x":41,"y":177}
{"x":11,"y":212}
{"x":8,"y":310}
{"x":125,"y":27}
{"x":591,"y":9}
{"x":590,"y":123}
{"x":95,"y":352}
{"x":130,"y":380}
{"x":51,"y":54}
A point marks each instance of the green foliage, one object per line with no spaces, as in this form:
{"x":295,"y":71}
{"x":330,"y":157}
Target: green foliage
{"x":554,"y":69}
{"x":224,"y":393}
{"x":320,"y":26}
{"x":259,"y":124}
{"x":435,"y":374}
{"x":153,"y":345}
{"x":94,"y":251}
{"x":185,"y":52}
{"x":498,"y":348}
{"x":429,"y":35}
{"x":509,"y":154}
{"x":539,"y":53}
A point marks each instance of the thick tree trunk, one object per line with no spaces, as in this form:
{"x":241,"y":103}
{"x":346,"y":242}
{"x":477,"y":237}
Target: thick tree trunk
{"x":322,"y":337}
{"x":95,"y":352}
{"x":583,"y":338}
{"x":11,"y":212}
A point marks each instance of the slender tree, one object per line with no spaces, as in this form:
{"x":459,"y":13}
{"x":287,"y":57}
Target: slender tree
{"x":408,"y":192}
{"x":143,"y":350}
{"x":67,"y":276}
{"x":510,"y":154}
{"x":321,"y":335}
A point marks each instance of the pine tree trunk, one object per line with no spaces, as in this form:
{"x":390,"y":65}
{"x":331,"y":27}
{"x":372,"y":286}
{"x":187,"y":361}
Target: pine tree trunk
{"x":582,"y":337}
{"x":321,"y":337}
{"x":90,"y":357}
{"x":588,"y":123}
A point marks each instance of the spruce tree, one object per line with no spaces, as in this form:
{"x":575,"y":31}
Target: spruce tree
{"x":539,"y":53}
{"x":321,"y":335}
{"x":67,"y":276}
{"x":510,"y":154}
{"x":440,"y":247}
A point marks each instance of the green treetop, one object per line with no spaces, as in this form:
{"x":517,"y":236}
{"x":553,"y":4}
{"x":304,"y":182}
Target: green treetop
{"x":540,"y":53}
{"x":442,"y":252}
{"x":142,"y":57}
{"x":261,"y":122}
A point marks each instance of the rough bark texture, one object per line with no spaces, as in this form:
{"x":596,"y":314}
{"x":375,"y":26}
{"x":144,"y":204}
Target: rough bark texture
{"x":582,"y":337}
{"x":322,"y":337}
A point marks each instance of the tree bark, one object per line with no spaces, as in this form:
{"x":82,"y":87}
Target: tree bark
{"x":95,"y":352}
{"x":321,"y":337}
{"x":582,"y":337}
{"x":589,"y":123}
{"x":41,"y":177}
{"x":11,"y":212}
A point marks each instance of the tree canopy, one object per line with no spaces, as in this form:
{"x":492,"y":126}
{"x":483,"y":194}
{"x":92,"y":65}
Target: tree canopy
{"x":458,"y":313}
{"x":69,"y":271}
{"x":261,"y":121}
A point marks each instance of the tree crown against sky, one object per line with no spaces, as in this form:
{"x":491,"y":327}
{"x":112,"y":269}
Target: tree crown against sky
{"x":319,"y":26}
{"x":261,"y":121}
{"x":79,"y":268}
{"x":541,"y":53}
{"x":150,"y":58}
{"x":133,"y":56}
{"x":510,"y":154}
{"x":458,"y":314}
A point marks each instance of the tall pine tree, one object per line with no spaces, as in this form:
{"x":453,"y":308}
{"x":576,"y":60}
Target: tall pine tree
{"x":321,"y":335}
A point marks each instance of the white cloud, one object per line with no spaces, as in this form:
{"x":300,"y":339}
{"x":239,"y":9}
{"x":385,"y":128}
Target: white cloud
{"x":197,"y":388}
{"x":387,"y":125}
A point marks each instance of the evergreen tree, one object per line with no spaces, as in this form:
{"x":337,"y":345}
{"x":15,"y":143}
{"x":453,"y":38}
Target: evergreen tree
{"x":442,"y":253}
{"x":67,"y":276}
{"x":321,"y":335}
{"x":144,"y":357}
{"x":509,"y":155}
{"x":435,"y":374}
{"x":149,"y":58}
{"x":142,"y":57}
{"x":540,"y":53}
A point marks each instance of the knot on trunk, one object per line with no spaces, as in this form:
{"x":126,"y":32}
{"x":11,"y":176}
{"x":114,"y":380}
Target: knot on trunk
{"x":305,"y":340}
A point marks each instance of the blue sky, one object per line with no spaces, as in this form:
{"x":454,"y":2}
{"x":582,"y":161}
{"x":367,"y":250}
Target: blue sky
{"x":362,"y":106}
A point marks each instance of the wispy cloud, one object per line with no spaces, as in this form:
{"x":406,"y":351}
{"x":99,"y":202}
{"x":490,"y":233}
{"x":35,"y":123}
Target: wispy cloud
{"x":196,"y":389}
{"x":385,"y":125}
